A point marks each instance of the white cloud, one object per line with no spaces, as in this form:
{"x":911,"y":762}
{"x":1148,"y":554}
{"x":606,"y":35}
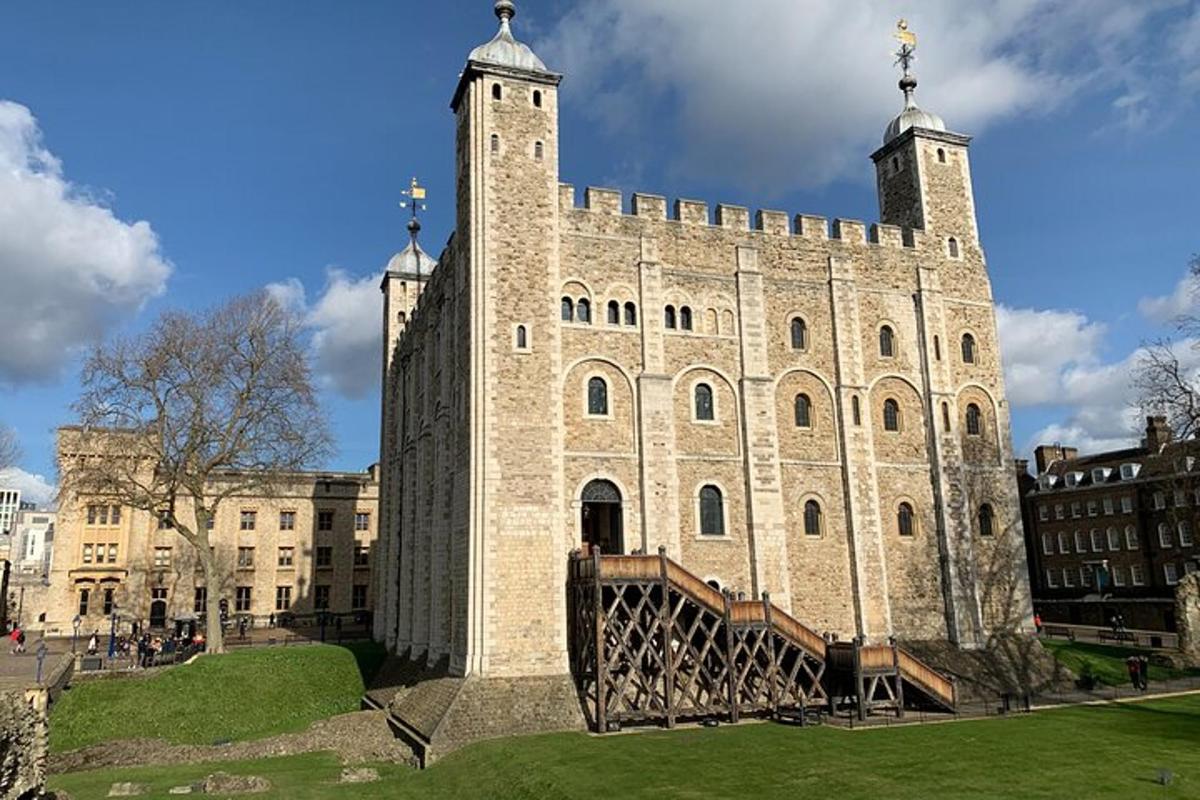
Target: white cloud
{"x":71,"y":268}
{"x":778,"y":94}
{"x":345,"y":325}
{"x":1041,"y":348}
{"x":1168,"y":308}
{"x":33,"y":487}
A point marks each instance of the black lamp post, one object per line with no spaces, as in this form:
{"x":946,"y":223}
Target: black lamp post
{"x":75,"y":636}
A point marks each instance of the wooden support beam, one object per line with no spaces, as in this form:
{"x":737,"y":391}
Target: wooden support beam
{"x":601,"y":658}
{"x":899,"y":680}
{"x":730,"y":668}
{"x":772,"y":665}
{"x":667,"y":628}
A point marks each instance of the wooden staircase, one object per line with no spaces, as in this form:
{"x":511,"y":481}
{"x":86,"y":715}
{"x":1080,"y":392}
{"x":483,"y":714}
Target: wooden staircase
{"x":650,"y":641}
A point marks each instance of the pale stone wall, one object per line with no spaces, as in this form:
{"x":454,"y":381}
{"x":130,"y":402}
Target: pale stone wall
{"x":525,"y":444}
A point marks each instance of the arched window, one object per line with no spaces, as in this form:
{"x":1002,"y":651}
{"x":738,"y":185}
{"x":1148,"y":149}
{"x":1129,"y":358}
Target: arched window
{"x":630,"y":314}
{"x":904,"y":519}
{"x":727,"y":322}
{"x":974,"y":420}
{"x":887,"y":342}
{"x":497,"y":92}
{"x":669,"y":318}
{"x":895,"y":163}
{"x":946,"y":417}
{"x":812,"y":518}
{"x":952,"y":246}
{"x":986,"y":527}
{"x":799,"y":334}
{"x":539,"y":151}
{"x":712,"y":512}
{"x":495,"y":143}
{"x":891,"y":415}
{"x":710,"y":322}
{"x":856,"y":410}
{"x":941,"y":156}
{"x":968,"y":348}
{"x":614,"y":312}
{"x":583,"y":310}
{"x":537,"y":98}
{"x":597,"y":397}
{"x":803,"y":411}
{"x":704,"y":402}
{"x":522,"y":337}
{"x":685,"y":318}
{"x":568,"y":309}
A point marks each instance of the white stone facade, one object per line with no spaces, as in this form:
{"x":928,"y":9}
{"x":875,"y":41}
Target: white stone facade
{"x":490,"y":444}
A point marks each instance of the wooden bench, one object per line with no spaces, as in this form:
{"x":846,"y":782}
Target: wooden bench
{"x":1058,"y":630}
{"x":1117,"y":636}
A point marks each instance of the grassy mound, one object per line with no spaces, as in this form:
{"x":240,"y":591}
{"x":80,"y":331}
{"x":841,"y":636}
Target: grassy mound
{"x":1124,"y":746}
{"x":248,"y":694}
{"x":1104,"y":663}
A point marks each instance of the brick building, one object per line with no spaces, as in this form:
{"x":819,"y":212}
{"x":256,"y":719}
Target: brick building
{"x":1112,"y":533}
{"x":306,"y":547}
{"x":785,"y":405}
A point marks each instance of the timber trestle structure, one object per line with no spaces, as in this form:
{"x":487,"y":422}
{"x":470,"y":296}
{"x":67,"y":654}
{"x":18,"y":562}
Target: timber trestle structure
{"x":650,"y":641}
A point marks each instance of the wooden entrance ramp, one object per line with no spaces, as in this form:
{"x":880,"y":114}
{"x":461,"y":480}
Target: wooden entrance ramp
{"x":651,"y":642}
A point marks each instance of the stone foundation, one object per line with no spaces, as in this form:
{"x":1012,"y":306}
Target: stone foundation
{"x":438,"y":713}
{"x":1187,"y":618}
{"x":23,"y":748}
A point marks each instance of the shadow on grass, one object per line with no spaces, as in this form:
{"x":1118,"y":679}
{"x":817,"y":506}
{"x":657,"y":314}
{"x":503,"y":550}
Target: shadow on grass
{"x":369,"y":656}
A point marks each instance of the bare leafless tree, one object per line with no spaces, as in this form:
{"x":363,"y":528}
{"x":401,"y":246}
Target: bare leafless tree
{"x":9,"y":451}
{"x":1166,"y":377}
{"x":200,"y":408}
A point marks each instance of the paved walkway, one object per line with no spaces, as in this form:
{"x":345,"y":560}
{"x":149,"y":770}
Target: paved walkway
{"x":20,"y":670}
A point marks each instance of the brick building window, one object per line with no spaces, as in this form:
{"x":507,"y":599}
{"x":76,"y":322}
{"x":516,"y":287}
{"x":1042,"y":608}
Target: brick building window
{"x":325,"y":520}
{"x":1051,"y":579}
{"x":358,"y":596}
{"x":1064,"y":542}
{"x":1114,"y":539}
{"x":1108,"y":506}
{"x":324,"y":557}
{"x":321,"y":597}
{"x":1137,"y":575}
{"x":1081,"y":544}
{"x":283,"y":598}
{"x":1047,"y":544}
{"x":803,"y":411}
{"x":1086,"y":572}
{"x":1131,"y":538}
{"x":1092,"y":508}
{"x":247,"y":520}
{"x":112,"y":554}
{"x":164,"y":522}
{"x":887,"y":342}
{"x":287,"y":520}
{"x":1170,"y":574}
{"x":1068,"y":576}
{"x":1076,"y":511}
{"x":1059,"y":511}
{"x":162,"y":557}
{"x":200,"y":600}
{"x":891,"y":415}
{"x":812,"y":518}
{"x":362,"y":521}
{"x":1097,"y":541}
{"x":1126,"y":505}
{"x":286,"y":556}
{"x":242,"y":600}
{"x":712,"y":511}
{"x":799,"y":334}
{"x":1160,"y":501}
{"x":1164,"y":535}
{"x":1118,"y":575}
{"x":1180,"y":498}
{"x":1185,"y":533}
{"x":245,"y":558}
{"x":362,"y":555}
{"x":905,"y":523}
{"x":1043,"y":513}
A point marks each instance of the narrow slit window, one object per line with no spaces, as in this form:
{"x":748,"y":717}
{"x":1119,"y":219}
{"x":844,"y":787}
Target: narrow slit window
{"x":904,"y":520}
{"x":495,"y":143}
{"x":856,"y":410}
{"x":539,"y":151}
{"x":614,"y":312}
{"x":968,"y":349}
{"x":669,"y":318}
{"x":583,"y":310}
{"x":952,"y":245}
{"x":803,"y":411}
{"x":630,"y":314}
{"x":812,"y":518}
{"x":522,"y":338}
{"x":974,"y":420}
{"x":685,"y":318}
{"x":568,"y":309}
{"x":891,"y":415}
{"x":799,"y":334}
{"x":986,"y":520}
{"x":537,"y":98}
{"x":497,"y":92}
{"x":887,"y":342}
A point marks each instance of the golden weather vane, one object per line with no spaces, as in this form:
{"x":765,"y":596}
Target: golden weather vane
{"x":415,"y":194}
{"x":908,"y":45}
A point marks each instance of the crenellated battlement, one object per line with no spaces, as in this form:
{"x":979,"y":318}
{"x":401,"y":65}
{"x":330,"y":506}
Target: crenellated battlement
{"x":653,"y":207}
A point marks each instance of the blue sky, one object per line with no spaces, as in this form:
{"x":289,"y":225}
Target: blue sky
{"x":191,"y":151}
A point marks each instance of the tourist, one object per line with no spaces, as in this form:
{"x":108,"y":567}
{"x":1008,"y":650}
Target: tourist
{"x":1037,"y":623}
{"x":241,"y":627}
{"x":15,"y":637}
{"x":1135,"y":667}
{"x":271,"y":620}
{"x":1144,"y":671}
{"x":94,"y":642}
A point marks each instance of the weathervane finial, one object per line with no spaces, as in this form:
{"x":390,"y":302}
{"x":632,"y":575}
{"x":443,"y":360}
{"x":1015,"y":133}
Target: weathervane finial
{"x":905,"y":57}
{"x":415,"y":194}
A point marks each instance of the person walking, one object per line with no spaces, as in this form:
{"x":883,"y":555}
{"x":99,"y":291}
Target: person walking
{"x":1135,"y":668}
{"x":14,"y":637}
{"x":1037,"y":623}
{"x":1144,"y":671}
{"x":93,"y":642}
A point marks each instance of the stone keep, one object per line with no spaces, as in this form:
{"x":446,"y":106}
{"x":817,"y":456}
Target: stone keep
{"x":704,"y":328}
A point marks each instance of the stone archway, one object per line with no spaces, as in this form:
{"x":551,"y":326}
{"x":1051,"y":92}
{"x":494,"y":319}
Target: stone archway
{"x":600,"y":517}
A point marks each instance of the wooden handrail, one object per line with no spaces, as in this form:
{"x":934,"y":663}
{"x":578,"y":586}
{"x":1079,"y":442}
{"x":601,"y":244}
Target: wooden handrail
{"x":798,"y":632}
{"x":926,"y":677}
{"x":876,"y":656}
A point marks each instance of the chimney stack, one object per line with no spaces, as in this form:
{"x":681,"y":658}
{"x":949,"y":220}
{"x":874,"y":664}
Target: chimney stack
{"x":1047,"y":454}
{"x":1158,"y":433}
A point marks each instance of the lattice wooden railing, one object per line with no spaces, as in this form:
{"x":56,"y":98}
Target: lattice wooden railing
{"x":650,"y":640}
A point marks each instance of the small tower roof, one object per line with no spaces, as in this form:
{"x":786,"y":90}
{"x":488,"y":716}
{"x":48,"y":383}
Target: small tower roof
{"x":412,"y":260}
{"x":504,"y":50}
{"x":913,"y":116}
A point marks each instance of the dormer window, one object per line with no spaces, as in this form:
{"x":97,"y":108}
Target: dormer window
{"x":1049,"y":482}
{"x":1100,"y":474}
{"x":1130,"y":471}
{"x":1073,"y":479}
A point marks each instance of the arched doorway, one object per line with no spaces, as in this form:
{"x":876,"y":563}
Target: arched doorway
{"x":601,"y":517}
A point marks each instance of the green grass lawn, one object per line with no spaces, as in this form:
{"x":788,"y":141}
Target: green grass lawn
{"x":1111,"y":751}
{"x":247,"y":694}
{"x":1107,"y":663}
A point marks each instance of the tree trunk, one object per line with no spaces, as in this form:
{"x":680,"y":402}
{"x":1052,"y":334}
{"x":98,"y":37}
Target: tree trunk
{"x":214,"y":636}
